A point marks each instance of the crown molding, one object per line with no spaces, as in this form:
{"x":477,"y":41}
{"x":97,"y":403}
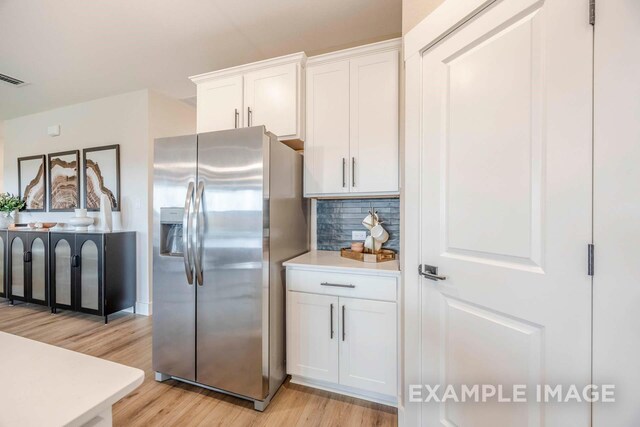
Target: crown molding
{"x":299,"y":57}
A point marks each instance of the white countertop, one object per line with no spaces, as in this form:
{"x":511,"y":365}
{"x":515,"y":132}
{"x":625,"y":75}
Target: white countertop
{"x":44,"y":385}
{"x":331,"y":260}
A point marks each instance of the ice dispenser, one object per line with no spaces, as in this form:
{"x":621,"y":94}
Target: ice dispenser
{"x":171,"y":231}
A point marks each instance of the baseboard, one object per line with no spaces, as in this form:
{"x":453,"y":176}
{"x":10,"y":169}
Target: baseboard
{"x":347,"y":391}
{"x":144,"y":308}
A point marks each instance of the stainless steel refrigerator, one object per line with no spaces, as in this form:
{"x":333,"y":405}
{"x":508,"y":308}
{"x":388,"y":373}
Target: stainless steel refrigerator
{"x":228,"y":210}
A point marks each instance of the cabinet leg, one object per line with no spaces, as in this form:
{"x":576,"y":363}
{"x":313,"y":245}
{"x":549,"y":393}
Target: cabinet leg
{"x":106,"y":319}
{"x":134,"y":309}
{"x":11,"y":302}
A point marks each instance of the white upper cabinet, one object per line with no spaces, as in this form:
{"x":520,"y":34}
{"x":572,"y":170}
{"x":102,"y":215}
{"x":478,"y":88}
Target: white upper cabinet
{"x":327,"y":145}
{"x":352,"y":121}
{"x":220,"y":104}
{"x":268,"y":93}
{"x":374,"y":123}
{"x":271,"y":99}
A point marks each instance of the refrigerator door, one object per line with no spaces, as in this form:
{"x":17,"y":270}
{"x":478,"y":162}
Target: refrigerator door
{"x":174,"y":294}
{"x":232,"y":314}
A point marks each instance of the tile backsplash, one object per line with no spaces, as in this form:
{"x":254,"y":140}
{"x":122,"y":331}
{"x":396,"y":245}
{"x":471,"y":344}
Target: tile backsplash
{"x":336,"y":219}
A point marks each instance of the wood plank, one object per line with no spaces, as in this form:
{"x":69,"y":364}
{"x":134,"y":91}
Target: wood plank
{"x":127,"y":340}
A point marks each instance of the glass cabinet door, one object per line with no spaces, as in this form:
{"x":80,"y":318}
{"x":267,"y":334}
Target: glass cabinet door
{"x":62,"y":276}
{"x":3,"y":291}
{"x":89,"y":276}
{"x":17,"y":267}
{"x":38,"y":270}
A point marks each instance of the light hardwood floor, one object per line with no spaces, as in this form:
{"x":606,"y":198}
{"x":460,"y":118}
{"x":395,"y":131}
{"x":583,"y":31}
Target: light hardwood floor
{"x":127,"y":340}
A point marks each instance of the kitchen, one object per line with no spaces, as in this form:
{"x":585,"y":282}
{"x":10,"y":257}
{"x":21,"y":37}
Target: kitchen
{"x":298,"y":226}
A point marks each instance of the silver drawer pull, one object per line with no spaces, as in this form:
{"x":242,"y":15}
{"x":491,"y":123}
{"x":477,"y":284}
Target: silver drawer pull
{"x":337,"y":285}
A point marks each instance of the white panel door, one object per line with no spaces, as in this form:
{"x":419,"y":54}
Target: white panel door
{"x":271,"y":99}
{"x":326,"y":149}
{"x":374,"y":123}
{"x":219,"y":104}
{"x":312,"y":336}
{"x":368,"y":352}
{"x":506,"y":211}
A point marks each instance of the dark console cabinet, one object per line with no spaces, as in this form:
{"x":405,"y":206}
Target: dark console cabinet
{"x":90,"y":272}
{"x":93,"y":272}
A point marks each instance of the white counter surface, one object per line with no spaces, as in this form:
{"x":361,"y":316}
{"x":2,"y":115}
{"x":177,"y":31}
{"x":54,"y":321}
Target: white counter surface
{"x":331,"y":260}
{"x":44,"y":385}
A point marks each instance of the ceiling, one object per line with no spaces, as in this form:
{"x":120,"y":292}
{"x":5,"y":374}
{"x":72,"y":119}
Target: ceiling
{"x":76,"y":50}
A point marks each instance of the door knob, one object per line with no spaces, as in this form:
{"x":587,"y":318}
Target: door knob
{"x":430,"y":272}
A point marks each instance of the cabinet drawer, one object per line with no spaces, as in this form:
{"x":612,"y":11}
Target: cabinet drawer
{"x":343,"y":284}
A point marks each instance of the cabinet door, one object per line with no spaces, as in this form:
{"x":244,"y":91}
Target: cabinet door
{"x":38,"y":269}
{"x":326,"y":156}
{"x":312,"y":336}
{"x":374,"y":123}
{"x":368,"y":345}
{"x":17,"y":272}
{"x":89,"y":274}
{"x":62,"y":270}
{"x":3,"y":265}
{"x":219,"y":104}
{"x":271,"y":99}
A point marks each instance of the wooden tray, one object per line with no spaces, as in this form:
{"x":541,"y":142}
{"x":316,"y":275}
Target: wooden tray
{"x":382,"y":255}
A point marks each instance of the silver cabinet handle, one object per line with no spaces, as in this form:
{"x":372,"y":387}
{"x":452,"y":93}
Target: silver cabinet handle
{"x":249,"y":116}
{"x":430,"y":272}
{"x":331,"y":322}
{"x":344,"y":322}
{"x":197,"y":235}
{"x":344,"y":164}
{"x":186,"y":247}
{"x":236,"y":118}
{"x":353,"y":171}
{"x":337,"y":285}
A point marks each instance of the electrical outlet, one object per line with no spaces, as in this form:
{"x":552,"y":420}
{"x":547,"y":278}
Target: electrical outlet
{"x":358,"y":235}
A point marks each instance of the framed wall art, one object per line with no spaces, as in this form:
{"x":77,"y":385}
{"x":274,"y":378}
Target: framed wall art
{"x":32,"y":182}
{"x":101,"y":173}
{"x":64,"y":181}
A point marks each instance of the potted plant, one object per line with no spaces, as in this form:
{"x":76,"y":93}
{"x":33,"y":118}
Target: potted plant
{"x":9,"y":203}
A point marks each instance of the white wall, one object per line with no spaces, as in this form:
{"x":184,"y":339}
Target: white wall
{"x":131,"y":120}
{"x":414,"y":11}
{"x":1,"y":156}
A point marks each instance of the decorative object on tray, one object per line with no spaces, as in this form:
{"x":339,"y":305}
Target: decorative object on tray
{"x":101,"y":176}
{"x":64,"y":181}
{"x":81,"y":221}
{"x":373,"y":251}
{"x":42,"y":225}
{"x":357,"y":247}
{"x":381,"y":256}
{"x":32,"y":182}
{"x":106,"y":220}
{"x":9,"y":204}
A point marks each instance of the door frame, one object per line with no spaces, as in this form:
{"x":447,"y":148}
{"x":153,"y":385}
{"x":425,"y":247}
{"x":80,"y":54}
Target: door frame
{"x":445,"y":19}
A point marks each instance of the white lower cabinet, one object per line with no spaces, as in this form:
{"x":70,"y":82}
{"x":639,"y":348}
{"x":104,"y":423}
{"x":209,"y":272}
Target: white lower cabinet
{"x":339,"y":339}
{"x":367,"y":345}
{"x":313,"y":340}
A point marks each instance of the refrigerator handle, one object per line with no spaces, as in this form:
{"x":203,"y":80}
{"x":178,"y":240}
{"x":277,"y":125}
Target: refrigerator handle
{"x":197,"y":235}
{"x":186,"y":247}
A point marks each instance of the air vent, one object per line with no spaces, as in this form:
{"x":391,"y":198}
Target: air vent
{"x":12,"y":80}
